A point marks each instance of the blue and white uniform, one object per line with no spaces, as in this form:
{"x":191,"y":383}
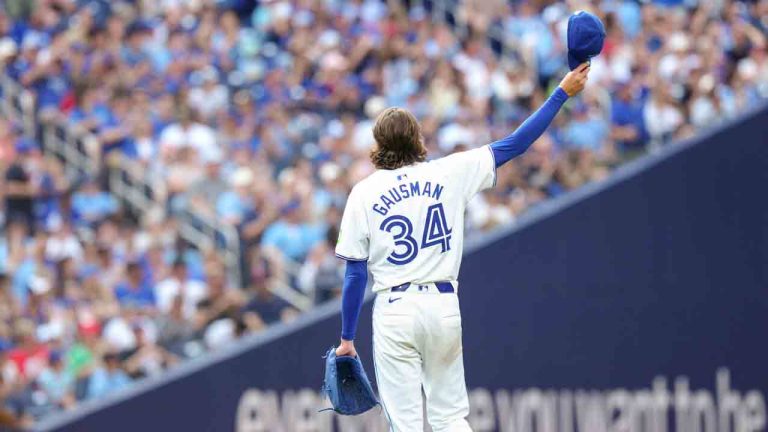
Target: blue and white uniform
{"x":405,"y":226}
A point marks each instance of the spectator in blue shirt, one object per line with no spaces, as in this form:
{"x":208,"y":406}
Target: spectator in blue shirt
{"x":134,"y":290}
{"x":134,"y":51}
{"x":108,"y":378}
{"x":628,"y":127}
{"x":586,"y":131}
{"x":629,"y":15}
{"x":57,"y":382}
{"x":92,"y":205}
{"x":291,"y":235}
{"x":32,"y":264}
{"x":85,"y":112}
{"x":52,"y":186}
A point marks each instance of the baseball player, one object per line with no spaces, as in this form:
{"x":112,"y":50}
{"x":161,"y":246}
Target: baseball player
{"x":404,"y":223}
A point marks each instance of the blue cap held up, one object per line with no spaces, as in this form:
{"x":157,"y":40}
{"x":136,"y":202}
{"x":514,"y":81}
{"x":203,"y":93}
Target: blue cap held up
{"x":586,"y":35}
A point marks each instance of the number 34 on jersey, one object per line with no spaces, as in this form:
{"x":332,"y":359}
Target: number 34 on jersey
{"x":435,"y":233}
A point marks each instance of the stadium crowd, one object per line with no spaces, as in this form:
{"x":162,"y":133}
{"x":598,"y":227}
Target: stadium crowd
{"x":262,"y":119}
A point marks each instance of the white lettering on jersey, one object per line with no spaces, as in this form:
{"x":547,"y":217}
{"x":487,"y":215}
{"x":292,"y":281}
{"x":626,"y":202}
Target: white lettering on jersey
{"x":405,"y":191}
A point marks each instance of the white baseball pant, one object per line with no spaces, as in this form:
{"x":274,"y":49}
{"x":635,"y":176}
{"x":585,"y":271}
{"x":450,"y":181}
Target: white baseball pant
{"x":417,"y":343}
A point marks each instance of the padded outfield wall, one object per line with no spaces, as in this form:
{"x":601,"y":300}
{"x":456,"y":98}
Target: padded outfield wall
{"x":640,"y":304}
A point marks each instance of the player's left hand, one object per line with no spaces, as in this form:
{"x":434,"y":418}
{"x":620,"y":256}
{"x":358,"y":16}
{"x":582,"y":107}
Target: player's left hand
{"x":346,"y":348}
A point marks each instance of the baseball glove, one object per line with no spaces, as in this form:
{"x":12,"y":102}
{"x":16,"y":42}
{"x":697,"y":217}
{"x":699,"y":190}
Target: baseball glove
{"x":347,"y":385}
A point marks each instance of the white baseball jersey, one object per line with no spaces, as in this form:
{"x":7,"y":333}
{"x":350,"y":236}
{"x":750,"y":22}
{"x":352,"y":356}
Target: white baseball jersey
{"x":408,"y":223}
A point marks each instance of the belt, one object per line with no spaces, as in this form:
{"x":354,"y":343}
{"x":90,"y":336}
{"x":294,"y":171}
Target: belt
{"x":443,"y":287}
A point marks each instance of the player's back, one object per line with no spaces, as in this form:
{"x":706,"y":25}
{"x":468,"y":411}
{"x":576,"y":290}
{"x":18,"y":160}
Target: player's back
{"x":414,"y":218}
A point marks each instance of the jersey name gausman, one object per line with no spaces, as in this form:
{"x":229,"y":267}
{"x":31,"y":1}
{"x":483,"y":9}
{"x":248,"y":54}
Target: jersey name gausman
{"x":404,"y":191}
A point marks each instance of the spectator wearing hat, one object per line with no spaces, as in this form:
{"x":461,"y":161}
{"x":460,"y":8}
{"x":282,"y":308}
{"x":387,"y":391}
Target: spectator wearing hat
{"x":57,"y":382}
{"x":627,"y":122}
{"x":137,"y":36}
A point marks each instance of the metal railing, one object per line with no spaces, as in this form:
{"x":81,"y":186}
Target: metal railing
{"x":73,"y":150}
{"x":80,"y":153}
{"x":137,"y":187}
{"x":18,"y":104}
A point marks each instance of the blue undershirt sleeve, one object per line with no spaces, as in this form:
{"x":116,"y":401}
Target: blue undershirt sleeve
{"x":353,"y":292}
{"x":518,"y":142}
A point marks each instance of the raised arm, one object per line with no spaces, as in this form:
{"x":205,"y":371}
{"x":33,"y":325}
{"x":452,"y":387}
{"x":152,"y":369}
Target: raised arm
{"x":518,"y":142}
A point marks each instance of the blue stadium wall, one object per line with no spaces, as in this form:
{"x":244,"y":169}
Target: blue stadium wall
{"x":640,"y":304}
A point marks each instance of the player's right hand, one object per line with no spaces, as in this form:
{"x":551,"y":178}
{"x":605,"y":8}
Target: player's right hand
{"x":346,"y":348}
{"x":574,"y":82}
